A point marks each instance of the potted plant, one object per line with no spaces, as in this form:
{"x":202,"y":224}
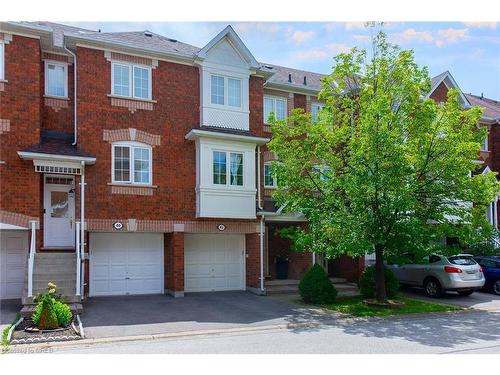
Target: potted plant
{"x":281,"y":267}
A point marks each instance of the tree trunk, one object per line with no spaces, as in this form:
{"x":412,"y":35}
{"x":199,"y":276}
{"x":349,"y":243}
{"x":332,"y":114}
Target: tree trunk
{"x":380,"y":292}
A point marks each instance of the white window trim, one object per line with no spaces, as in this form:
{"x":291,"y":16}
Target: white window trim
{"x":131,"y":87}
{"x":319,"y":104}
{"x":2,"y":61}
{"x":131,"y":146}
{"x":226,"y":92}
{"x":484,"y":144}
{"x":274,"y":185}
{"x":228,"y":168}
{"x":56,"y":63}
{"x":274,"y":98}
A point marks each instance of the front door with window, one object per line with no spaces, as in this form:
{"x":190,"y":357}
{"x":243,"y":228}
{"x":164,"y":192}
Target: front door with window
{"x":59,"y":212}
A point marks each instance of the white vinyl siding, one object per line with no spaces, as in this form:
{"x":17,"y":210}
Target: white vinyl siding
{"x":274,"y":105}
{"x":132,"y":163}
{"x":56,"y":79}
{"x":129,"y":80}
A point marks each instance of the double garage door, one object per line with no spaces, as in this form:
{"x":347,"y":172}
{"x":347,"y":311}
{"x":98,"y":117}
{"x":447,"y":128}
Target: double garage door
{"x":14,"y":248}
{"x":132,"y":263}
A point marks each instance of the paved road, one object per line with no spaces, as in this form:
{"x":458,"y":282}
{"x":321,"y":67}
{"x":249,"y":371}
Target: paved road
{"x":465,"y":332}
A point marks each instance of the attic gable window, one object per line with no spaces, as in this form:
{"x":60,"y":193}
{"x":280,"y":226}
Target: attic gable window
{"x":131,"y":80}
{"x":56,"y":79}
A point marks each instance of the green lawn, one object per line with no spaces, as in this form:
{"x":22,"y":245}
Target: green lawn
{"x":355,"y":306}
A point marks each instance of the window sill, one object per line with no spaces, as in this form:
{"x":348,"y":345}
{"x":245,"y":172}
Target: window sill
{"x":131,"y":98}
{"x":56,"y":97}
{"x":132,"y":185}
{"x":3,"y":81}
{"x":270,"y":187}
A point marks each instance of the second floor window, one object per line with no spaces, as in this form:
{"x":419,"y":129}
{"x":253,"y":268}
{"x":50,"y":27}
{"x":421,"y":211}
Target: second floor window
{"x":225,"y":91}
{"x":56,"y":79}
{"x":130,"y":80}
{"x":315,"y":109}
{"x":484,"y":144}
{"x":274,"y":105}
{"x":132,"y":163}
{"x":269,"y":179}
{"x":2,"y":61}
{"x":227,"y":164}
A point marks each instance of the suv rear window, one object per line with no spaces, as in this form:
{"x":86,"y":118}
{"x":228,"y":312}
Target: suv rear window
{"x":462,"y":261}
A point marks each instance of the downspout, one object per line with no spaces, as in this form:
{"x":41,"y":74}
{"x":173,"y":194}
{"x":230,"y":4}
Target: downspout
{"x":75,"y":105}
{"x":259,"y":198}
{"x":261,"y":234}
{"x":82,"y":226}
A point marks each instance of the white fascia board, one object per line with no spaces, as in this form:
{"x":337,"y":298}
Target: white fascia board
{"x":6,"y":226}
{"x":236,"y":41}
{"x":199,"y":133}
{"x":291,"y":88}
{"x":65,"y":158}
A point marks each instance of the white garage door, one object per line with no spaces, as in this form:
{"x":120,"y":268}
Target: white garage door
{"x":14,"y":247}
{"x":126,"y":263}
{"x":214,"y":262}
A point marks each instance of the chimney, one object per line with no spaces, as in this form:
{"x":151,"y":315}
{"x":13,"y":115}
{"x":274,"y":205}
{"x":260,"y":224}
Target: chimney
{"x":482,"y":97}
{"x":305,"y":80}
{"x":290,"y":78}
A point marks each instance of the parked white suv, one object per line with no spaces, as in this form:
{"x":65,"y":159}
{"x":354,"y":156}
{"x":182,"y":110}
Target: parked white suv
{"x":438,"y":274}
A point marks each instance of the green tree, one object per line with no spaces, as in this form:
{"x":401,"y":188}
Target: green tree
{"x":383,"y":169}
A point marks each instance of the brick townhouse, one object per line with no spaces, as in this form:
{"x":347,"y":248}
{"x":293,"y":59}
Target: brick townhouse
{"x":131,"y":163}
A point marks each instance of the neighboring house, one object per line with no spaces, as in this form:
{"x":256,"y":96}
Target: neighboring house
{"x":158,"y":147}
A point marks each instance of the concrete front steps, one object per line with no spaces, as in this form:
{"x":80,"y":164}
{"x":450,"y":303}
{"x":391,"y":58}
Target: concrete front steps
{"x":58,"y":268}
{"x":290,"y":286}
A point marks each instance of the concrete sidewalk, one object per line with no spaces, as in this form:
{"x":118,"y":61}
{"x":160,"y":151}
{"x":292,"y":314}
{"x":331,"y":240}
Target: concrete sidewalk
{"x":477,"y":300}
{"x":159,"y":314}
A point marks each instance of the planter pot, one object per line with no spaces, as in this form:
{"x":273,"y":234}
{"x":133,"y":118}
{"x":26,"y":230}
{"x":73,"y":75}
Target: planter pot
{"x":281,"y":269}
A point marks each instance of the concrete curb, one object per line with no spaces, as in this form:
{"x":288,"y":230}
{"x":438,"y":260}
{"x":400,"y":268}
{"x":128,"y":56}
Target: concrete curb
{"x":104,"y":340}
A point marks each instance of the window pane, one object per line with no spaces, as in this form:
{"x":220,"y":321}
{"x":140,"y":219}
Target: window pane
{"x":56,"y":80}
{"x":234,"y":92}
{"x":122,"y":163}
{"x":217,"y":90}
{"x":268,"y":178}
{"x":59,"y":204}
{"x":141,"y":83}
{"x":219,"y":166}
{"x":268,"y":108}
{"x":121,"y":84}
{"x":236,"y":169}
{"x":141,"y":165}
{"x":315,"y":109}
{"x":280,"y":109}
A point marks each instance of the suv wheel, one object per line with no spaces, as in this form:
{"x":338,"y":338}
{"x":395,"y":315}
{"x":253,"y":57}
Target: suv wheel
{"x":465,"y":292}
{"x":433,"y":288}
{"x":496,"y":287}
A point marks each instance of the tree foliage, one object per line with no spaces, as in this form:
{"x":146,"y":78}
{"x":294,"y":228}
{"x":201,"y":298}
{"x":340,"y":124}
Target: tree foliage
{"x":384,"y":168}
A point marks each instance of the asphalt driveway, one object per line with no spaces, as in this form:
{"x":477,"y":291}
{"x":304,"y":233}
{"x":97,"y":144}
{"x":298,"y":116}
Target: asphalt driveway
{"x":477,"y":300}
{"x":8,"y":310}
{"x":154,"y":314}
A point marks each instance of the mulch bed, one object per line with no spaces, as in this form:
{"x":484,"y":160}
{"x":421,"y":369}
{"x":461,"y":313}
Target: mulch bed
{"x":21,"y":336}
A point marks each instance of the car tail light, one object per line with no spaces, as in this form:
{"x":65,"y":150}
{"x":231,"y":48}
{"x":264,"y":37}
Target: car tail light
{"x":481,"y":269}
{"x":450,"y":269}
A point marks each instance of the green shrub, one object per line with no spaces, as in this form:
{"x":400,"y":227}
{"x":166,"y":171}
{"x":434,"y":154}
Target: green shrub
{"x":367,"y":283}
{"x":50,"y":311}
{"x":63,"y":313}
{"x":316,"y":287}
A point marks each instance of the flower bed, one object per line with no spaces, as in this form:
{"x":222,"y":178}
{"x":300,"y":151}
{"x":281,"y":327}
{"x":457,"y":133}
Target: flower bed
{"x":23,"y":333}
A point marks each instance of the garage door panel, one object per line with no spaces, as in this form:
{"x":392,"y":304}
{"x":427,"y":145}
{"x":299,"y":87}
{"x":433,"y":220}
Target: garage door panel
{"x":126,"y":263}
{"x":214,"y":262}
{"x":14,"y":247}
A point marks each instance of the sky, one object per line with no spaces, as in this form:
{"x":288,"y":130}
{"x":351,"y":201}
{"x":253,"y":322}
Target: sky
{"x":469,"y":50}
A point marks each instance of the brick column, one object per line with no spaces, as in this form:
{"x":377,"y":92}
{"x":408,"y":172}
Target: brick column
{"x":252,"y":248}
{"x":174,"y":264}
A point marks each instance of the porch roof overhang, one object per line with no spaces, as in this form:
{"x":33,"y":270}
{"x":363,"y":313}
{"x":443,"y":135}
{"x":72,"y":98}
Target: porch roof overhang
{"x":73,"y":159}
{"x":226,"y":134}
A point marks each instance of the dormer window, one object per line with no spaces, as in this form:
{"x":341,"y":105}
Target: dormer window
{"x":56,"y":79}
{"x":130,"y":80}
{"x":225,"y":91}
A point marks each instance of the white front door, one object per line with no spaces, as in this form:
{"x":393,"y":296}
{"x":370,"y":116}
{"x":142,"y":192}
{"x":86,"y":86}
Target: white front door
{"x":214,"y":262}
{"x":59,"y":212}
{"x":126,"y":263}
{"x":13,"y":258}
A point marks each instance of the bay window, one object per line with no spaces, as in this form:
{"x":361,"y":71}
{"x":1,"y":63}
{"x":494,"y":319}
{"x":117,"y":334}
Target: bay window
{"x":129,"y":80}
{"x":131,"y":163}
{"x":274,"y":105}
{"x":56,"y":79}
{"x":221,"y":168}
